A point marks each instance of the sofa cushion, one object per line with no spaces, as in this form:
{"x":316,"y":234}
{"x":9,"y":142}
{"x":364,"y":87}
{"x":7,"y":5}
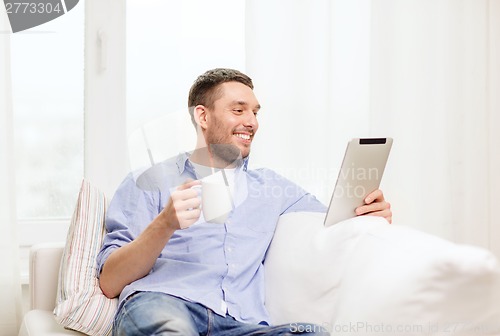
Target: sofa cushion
{"x":366,"y":276}
{"x":80,"y":303}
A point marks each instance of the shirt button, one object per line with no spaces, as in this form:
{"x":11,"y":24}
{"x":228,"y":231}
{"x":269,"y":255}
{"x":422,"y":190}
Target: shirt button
{"x":229,"y":249}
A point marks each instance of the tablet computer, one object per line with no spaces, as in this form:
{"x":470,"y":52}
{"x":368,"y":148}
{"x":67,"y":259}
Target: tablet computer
{"x":360,"y":174}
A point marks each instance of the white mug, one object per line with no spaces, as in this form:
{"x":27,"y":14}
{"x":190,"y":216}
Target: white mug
{"x":216,"y":200}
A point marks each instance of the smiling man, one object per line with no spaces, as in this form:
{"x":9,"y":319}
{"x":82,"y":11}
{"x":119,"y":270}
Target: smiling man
{"x":177,"y":273}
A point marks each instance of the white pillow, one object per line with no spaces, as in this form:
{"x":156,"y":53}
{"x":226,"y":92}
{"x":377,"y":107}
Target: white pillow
{"x":80,"y":303}
{"x":368,"y":277}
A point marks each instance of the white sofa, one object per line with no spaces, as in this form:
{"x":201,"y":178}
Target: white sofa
{"x":362,"y":276}
{"x":44,"y":262}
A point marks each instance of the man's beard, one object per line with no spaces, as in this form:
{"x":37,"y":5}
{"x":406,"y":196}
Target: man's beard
{"x":229,"y":154}
{"x":222,"y":149}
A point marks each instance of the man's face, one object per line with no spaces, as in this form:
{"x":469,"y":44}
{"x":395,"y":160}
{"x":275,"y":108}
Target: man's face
{"x":233,"y":119}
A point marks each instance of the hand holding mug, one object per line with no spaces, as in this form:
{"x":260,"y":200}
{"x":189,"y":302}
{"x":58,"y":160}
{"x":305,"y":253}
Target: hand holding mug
{"x":183,"y":208}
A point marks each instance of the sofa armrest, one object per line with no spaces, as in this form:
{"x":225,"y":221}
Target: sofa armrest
{"x":45,"y":260}
{"x":42,"y":323}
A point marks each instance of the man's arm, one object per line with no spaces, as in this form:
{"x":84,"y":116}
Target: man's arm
{"x":134,"y":260}
{"x":376,"y":205}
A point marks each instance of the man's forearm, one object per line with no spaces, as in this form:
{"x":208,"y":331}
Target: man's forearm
{"x":134,"y":260}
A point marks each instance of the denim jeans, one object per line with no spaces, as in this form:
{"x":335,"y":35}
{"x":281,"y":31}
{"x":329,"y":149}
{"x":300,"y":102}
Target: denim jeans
{"x":150,"y":313}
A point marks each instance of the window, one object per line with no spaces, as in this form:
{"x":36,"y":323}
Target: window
{"x":47,"y":88}
{"x":47,"y":80}
{"x":170,"y":43}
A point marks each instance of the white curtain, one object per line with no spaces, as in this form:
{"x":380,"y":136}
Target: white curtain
{"x":425,"y":72}
{"x":10,"y":288}
{"x":435,"y":86}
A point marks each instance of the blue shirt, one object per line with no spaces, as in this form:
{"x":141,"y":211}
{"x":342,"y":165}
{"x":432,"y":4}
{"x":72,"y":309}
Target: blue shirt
{"x":217,"y":265}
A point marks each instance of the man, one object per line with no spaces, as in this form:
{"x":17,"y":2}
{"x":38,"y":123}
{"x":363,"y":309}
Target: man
{"x":179,"y":274}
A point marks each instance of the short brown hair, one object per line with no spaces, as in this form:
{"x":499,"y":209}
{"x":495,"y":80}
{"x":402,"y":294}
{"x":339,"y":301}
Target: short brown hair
{"x":205,"y":89}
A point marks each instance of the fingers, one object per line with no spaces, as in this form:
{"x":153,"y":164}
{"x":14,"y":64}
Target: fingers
{"x":376,"y":195}
{"x":187,"y":218}
{"x":375,"y":205}
{"x":183,"y":208}
{"x":184,"y":195}
{"x":188,"y":184}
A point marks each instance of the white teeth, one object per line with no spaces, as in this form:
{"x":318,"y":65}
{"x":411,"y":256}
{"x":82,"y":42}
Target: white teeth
{"x":243,"y":136}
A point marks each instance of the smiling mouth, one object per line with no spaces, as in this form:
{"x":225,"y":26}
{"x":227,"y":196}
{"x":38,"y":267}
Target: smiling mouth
{"x":242,"y":136}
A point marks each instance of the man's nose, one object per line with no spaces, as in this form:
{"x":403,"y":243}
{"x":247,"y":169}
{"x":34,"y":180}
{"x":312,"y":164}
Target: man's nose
{"x":251,"y":120}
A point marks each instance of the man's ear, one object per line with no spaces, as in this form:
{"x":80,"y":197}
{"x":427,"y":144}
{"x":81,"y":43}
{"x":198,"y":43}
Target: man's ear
{"x":200,"y":116}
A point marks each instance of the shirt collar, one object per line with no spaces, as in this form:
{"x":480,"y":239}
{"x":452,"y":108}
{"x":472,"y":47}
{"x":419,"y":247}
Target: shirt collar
{"x":183,"y":163}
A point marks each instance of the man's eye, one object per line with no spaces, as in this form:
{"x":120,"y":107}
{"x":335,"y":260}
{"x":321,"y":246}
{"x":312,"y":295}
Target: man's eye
{"x":238,"y":110}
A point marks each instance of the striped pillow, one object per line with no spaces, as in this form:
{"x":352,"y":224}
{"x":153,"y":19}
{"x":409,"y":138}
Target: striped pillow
{"x":80,"y":303}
